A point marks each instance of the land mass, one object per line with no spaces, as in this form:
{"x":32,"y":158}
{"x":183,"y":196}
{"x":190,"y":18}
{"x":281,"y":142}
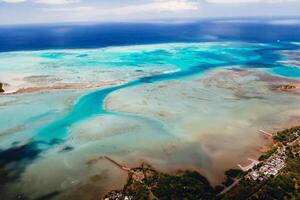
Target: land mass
{"x":146,"y":183}
{"x":275,"y":176}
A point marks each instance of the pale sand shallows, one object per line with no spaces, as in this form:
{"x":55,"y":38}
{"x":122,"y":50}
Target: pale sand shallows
{"x":216,"y":118}
{"x":208,"y":124}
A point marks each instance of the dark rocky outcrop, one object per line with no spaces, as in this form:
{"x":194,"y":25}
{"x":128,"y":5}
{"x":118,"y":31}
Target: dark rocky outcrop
{"x":1,"y":88}
{"x":287,"y":87}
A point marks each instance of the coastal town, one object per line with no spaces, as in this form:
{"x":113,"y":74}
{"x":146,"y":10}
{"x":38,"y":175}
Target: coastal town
{"x":270,"y":167}
{"x":278,"y":168}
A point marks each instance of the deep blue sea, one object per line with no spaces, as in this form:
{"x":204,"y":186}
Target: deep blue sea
{"x":68,"y":36}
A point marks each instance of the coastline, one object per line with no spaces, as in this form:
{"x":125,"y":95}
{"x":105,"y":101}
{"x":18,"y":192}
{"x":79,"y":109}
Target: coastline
{"x":199,"y":131}
{"x":134,"y":187}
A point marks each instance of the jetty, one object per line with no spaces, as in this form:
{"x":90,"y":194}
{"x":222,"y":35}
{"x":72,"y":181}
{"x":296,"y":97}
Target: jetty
{"x":266,"y":133}
{"x":236,"y":181}
{"x":122,"y":167}
{"x":250,"y":166}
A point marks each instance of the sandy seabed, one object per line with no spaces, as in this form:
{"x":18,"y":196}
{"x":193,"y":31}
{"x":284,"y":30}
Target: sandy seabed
{"x":208,"y":122}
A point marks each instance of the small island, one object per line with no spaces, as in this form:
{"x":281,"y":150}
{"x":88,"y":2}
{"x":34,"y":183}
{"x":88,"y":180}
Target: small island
{"x":1,"y":88}
{"x":286,"y":87}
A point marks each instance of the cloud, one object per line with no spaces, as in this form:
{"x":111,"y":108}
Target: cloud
{"x":285,"y":21}
{"x":154,"y":6}
{"x":247,"y":1}
{"x":13,"y":1}
{"x":154,"y":10}
{"x":48,"y":2}
{"x":71,"y":9}
{"x":171,"y":5}
{"x":56,"y":2}
{"x":140,"y":10}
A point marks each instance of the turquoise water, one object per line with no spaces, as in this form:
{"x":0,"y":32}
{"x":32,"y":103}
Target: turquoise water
{"x":48,"y":118}
{"x":190,"y":59}
{"x":165,"y":62}
{"x":287,"y":71}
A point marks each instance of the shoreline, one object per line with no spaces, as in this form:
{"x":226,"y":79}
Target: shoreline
{"x":137,"y":177}
{"x":252,"y":151}
{"x":130,"y":45}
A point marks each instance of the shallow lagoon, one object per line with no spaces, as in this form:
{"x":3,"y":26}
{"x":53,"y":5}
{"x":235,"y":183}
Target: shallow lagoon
{"x":184,"y":105}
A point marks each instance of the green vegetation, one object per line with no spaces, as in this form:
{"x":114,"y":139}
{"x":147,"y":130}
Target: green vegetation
{"x":287,"y":135}
{"x":219,"y":189}
{"x":243,"y":190}
{"x":188,"y":185}
{"x":286,"y":185}
{"x":267,"y":154}
{"x":233,"y":173}
{"x":228,"y":181}
{"x":157,"y":185}
{"x":146,"y":183}
{"x":283,"y":186}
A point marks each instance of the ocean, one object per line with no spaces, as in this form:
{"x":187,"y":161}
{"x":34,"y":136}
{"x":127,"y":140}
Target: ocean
{"x":74,"y":36}
{"x":174,"y":95}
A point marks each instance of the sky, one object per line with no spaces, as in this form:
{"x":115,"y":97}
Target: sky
{"x":56,"y":11}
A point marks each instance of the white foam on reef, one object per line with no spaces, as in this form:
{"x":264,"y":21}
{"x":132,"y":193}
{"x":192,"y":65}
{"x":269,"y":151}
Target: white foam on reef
{"x":128,"y":47}
{"x":26,"y":69}
{"x":296,"y":43}
{"x":285,"y":21}
{"x":9,"y":92}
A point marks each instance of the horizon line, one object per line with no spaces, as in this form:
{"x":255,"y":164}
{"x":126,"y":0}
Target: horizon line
{"x":159,"y":21}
